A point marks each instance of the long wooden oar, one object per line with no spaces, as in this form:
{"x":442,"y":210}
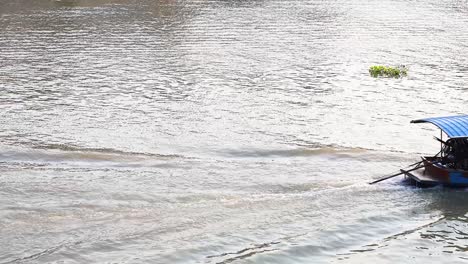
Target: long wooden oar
{"x":394,"y":175}
{"x":416,"y":163}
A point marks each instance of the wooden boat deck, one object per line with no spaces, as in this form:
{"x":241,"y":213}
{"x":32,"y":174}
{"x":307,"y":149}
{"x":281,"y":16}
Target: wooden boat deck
{"x":421,"y":178}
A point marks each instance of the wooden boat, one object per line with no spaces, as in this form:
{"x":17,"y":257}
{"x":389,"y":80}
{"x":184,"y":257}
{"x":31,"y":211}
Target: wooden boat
{"x":449,"y":167}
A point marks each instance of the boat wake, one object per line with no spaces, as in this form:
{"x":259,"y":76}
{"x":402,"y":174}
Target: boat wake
{"x":46,"y":155}
{"x":326,"y":151}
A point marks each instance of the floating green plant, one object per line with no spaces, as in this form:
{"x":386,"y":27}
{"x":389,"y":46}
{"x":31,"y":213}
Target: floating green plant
{"x":385,"y":71}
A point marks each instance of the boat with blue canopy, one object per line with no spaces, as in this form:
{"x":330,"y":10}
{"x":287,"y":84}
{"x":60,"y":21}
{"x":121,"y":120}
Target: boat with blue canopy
{"x":449,"y":167}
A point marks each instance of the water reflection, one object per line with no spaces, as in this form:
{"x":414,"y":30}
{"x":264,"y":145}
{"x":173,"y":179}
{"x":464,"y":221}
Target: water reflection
{"x":451,"y":231}
{"x":450,"y":202}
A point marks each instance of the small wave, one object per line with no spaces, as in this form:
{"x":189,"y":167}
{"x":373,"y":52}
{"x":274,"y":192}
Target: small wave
{"x":57,"y":153}
{"x":297,"y":152}
{"x":245,"y":253}
{"x":72,"y":148}
{"x":332,"y":152}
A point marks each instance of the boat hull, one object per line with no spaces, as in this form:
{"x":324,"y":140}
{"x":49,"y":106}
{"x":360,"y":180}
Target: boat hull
{"x":434,"y":173}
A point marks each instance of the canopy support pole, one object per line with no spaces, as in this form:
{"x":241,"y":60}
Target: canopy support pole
{"x":441,"y":145}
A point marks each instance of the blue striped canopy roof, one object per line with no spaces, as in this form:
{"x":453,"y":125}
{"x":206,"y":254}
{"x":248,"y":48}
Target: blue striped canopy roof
{"x":453,"y":126}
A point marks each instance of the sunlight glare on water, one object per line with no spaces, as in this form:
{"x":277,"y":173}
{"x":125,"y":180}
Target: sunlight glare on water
{"x":226,"y":131}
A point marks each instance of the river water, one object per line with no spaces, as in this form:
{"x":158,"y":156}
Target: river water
{"x":224,"y":131}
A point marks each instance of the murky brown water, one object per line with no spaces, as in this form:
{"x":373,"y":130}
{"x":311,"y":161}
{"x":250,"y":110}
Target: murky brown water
{"x":226,"y":131}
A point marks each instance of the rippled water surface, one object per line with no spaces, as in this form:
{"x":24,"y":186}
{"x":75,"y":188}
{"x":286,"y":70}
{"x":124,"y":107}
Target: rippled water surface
{"x":226,"y":131}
